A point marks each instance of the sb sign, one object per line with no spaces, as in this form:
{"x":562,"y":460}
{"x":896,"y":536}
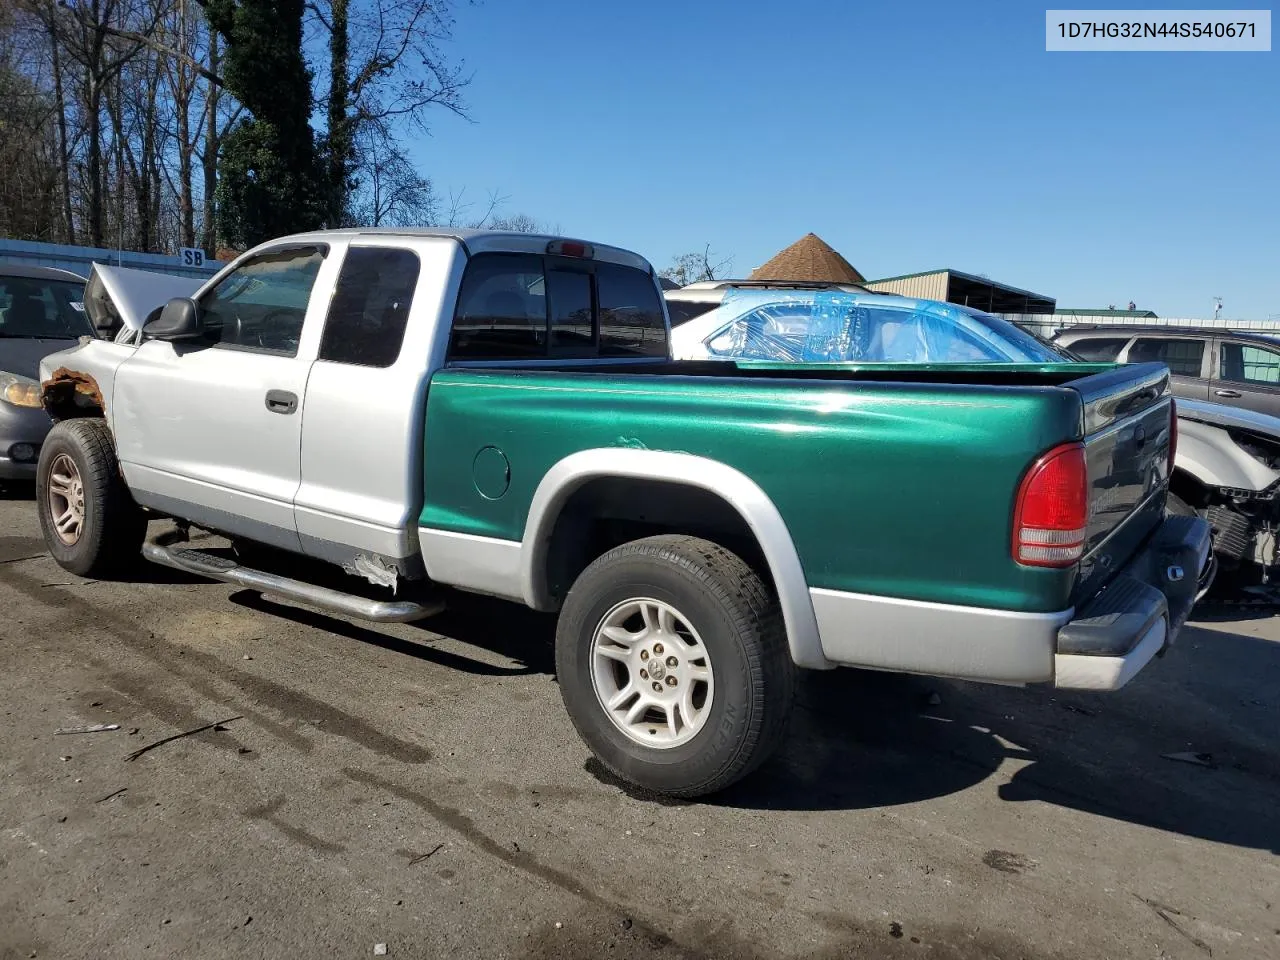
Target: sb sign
{"x":191,"y":257}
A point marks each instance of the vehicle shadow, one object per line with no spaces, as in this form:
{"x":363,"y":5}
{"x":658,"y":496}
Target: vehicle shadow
{"x":17,"y":490}
{"x":515,"y":633}
{"x":1190,"y":746}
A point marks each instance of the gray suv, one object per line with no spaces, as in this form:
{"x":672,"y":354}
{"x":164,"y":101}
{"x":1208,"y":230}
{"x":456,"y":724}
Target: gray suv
{"x":1224,"y":366}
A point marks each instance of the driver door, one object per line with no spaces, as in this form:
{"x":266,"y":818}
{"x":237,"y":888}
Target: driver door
{"x":210,"y":429}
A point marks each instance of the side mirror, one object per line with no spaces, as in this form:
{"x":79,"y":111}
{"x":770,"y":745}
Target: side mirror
{"x":178,"y":320}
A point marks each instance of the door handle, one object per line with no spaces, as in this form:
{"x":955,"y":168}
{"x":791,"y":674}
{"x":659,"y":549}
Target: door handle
{"x":281,"y":401}
{"x":1229,"y":394}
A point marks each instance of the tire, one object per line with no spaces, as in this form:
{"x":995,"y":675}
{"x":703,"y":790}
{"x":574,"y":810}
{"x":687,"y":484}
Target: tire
{"x":1175,"y":506}
{"x":112,"y":527}
{"x":723,"y":610}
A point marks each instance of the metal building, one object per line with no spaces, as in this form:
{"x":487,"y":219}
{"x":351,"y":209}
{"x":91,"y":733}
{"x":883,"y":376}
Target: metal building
{"x":954,"y":286}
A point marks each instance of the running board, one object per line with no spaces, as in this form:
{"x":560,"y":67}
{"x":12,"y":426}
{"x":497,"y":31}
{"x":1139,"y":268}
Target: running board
{"x":333,"y":601}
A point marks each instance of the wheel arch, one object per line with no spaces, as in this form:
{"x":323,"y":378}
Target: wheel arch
{"x":72,"y":394}
{"x":726,"y":484}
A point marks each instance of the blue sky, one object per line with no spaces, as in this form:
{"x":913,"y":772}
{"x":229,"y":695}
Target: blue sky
{"x":908,"y":135}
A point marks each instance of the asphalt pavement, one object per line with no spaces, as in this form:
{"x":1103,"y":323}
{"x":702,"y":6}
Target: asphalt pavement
{"x":419,"y":789}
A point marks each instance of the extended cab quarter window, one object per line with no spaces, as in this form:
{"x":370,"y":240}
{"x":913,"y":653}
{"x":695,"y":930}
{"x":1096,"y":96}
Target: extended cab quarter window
{"x":261,"y":305}
{"x":1182,"y":357}
{"x":370,"y":306}
{"x":529,"y":306}
{"x":1247,"y":364}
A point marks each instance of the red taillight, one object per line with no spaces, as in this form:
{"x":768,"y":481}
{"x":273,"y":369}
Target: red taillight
{"x":1052,"y":510}
{"x":1173,"y":433}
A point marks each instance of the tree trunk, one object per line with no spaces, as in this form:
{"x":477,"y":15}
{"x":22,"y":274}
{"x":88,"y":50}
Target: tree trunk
{"x":209,"y":239}
{"x":340,"y":139}
{"x":64,"y":150}
{"x":94,"y":163}
{"x":182,"y":94}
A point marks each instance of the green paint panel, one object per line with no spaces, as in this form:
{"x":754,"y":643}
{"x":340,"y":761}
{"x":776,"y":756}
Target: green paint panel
{"x":895,"y":489}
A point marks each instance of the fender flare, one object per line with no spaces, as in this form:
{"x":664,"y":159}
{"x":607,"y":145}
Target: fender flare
{"x":731,"y":485}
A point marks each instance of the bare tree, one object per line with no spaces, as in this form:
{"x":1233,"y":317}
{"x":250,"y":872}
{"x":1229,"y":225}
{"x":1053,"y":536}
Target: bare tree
{"x":518,"y":223}
{"x":693,"y":267}
{"x":386,"y":71}
{"x":86,"y":35}
{"x":391,"y":193}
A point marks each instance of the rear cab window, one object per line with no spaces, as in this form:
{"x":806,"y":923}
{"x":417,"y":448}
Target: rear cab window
{"x":519,"y":306}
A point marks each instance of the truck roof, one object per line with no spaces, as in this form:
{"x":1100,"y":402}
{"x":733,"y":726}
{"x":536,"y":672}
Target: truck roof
{"x":477,"y":241}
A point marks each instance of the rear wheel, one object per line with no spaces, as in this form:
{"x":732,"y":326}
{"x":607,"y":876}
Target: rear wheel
{"x":90,"y":522}
{"x":673,"y":665}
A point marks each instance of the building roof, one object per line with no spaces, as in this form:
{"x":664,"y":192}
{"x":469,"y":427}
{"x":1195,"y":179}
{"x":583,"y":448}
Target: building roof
{"x":1081,"y":312}
{"x":971,"y":277}
{"x":809,"y":258}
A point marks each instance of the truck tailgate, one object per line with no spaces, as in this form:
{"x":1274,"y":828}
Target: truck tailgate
{"x":1128,"y":435}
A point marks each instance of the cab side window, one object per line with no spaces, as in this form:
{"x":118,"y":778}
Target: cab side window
{"x":262,"y":304}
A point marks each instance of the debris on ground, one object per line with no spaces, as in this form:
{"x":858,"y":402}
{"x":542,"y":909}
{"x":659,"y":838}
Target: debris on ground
{"x":96,"y":728}
{"x":110,"y":795}
{"x":559,"y":925}
{"x":246,"y":657}
{"x":379,"y":949}
{"x":64,"y":759}
{"x":217,"y":725}
{"x":135,"y":731}
{"x":1080,"y":710}
{"x":428,"y":855}
{"x":895,"y":930}
{"x":1198,"y":759}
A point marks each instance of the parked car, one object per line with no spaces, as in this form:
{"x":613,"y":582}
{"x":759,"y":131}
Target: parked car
{"x":838,"y":326}
{"x":1236,"y":368}
{"x":695,"y":299}
{"x":498,"y":413}
{"x":41,"y":312}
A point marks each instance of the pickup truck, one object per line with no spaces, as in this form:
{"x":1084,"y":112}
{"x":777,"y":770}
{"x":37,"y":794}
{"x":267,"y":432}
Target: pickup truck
{"x":441,"y":410}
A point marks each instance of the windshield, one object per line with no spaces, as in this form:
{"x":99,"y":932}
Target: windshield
{"x":842,"y":328}
{"x":32,"y":309}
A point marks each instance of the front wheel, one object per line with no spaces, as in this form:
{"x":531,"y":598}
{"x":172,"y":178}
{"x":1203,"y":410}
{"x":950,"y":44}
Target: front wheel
{"x":90,"y":522}
{"x":673,"y":665}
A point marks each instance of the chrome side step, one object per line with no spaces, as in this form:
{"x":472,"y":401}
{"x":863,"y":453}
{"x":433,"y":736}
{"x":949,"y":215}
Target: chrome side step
{"x":204,"y":564}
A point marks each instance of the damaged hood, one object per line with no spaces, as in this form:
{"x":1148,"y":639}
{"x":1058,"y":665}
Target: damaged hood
{"x":1220,"y":415}
{"x":116,"y":297}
